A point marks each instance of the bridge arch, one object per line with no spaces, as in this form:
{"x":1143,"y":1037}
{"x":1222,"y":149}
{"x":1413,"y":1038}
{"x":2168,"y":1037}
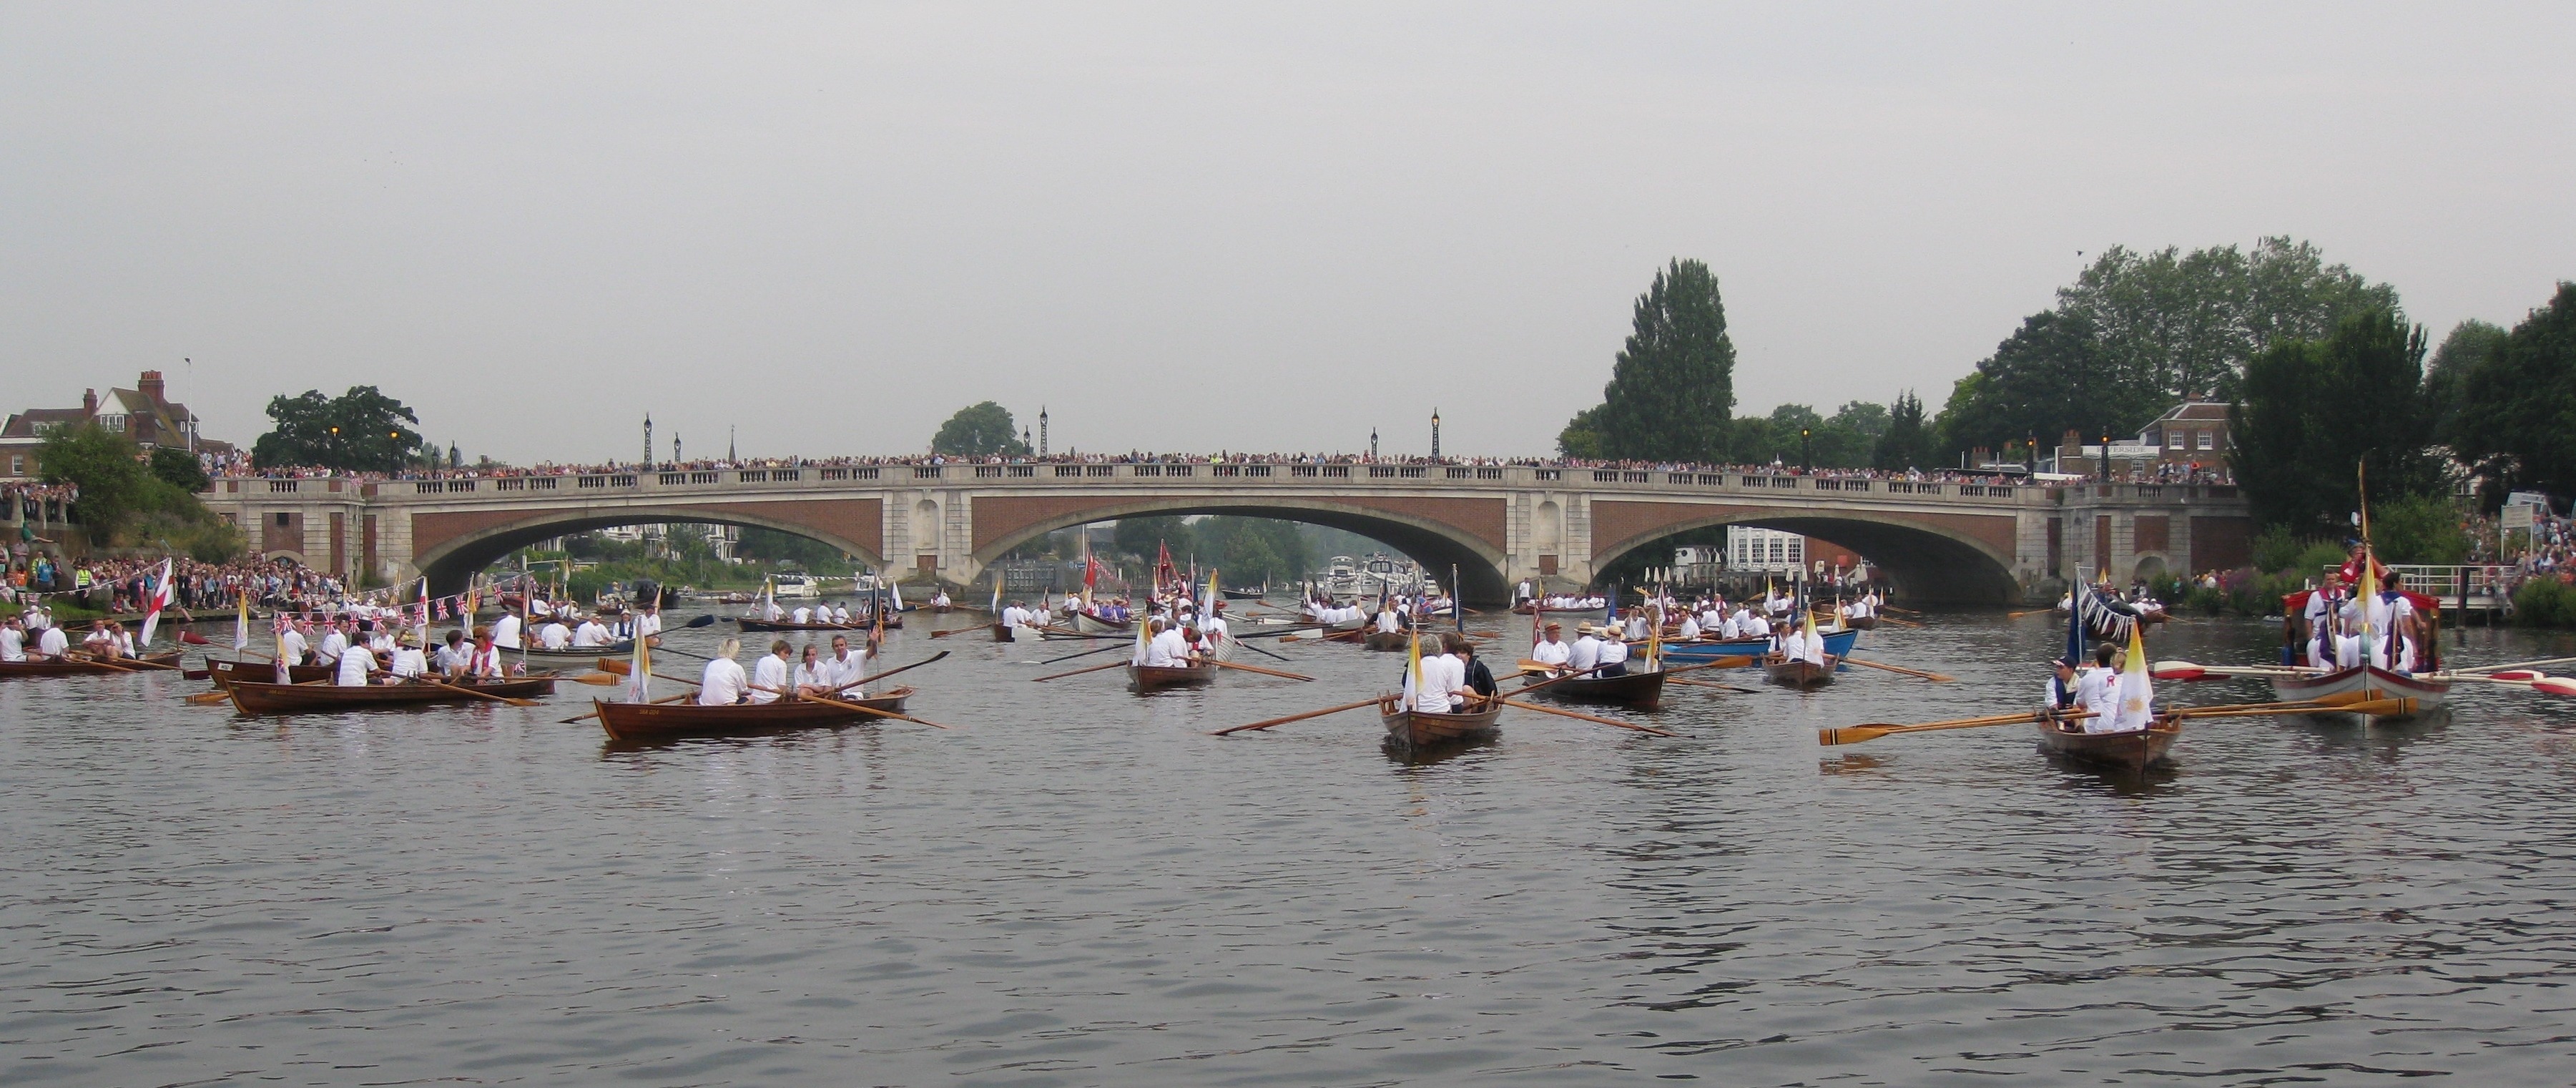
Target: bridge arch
{"x":1428,"y":541}
{"x":1925,"y":560}
{"x":451,"y":562}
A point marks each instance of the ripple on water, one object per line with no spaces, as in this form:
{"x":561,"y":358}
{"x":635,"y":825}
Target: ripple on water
{"x":1080,"y":887}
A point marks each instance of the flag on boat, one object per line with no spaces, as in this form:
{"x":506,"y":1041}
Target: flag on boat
{"x":241,"y":623}
{"x":152,"y":609}
{"x":2137,"y":693}
{"x":420,"y":634}
{"x":639,"y":682}
{"x":1412,"y":669}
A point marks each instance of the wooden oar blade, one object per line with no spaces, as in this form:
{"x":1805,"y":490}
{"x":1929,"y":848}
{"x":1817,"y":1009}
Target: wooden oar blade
{"x":594,"y":679}
{"x":1851,"y":734}
{"x":616,"y":666}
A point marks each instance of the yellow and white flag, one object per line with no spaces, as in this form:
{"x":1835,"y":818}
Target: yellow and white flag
{"x":2136,"y":697}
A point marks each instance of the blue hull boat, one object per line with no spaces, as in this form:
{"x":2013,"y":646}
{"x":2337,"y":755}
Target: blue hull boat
{"x":1837,"y":644}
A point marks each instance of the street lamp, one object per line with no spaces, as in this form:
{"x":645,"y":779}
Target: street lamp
{"x":1806,"y":450}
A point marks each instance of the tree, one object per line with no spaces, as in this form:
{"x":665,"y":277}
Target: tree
{"x":2049,"y":377}
{"x":179,"y":468}
{"x":777,"y":547}
{"x":2524,"y":432}
{"x":2444,"y":378}
{"x":1582,"y":435}
{"x":2312,"y":415}
{"x":979,"y":430}
{"x":1673,"y":386}
{"x":361,"y":430}
{"x":1906,"y":443}
{"x":1143,"y":537}
{"x":107,"y":468}
{"x":1248,"y":551}
{"x":2184,"y":325}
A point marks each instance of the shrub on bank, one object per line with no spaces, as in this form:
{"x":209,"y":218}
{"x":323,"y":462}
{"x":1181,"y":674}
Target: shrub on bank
{"x":2545,"y":602}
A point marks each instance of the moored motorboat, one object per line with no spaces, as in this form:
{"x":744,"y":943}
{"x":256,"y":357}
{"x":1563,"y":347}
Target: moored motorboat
{"x":660,"y":721}
{"x":1149,"y":678}
{"x":1800,"y":673}
{"x":269,"y":697}
{"x":1641,"y":690}
{"x":82,"y":666}
{"x":1416,"y":729}
{"x":2134,"y":750}
{"x":2363,"y":682}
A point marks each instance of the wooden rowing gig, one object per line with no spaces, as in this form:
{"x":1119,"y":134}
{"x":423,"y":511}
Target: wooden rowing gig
{"x":1800,"y":673}
{"x":270,"y":697}
{"x":60,"y":666}
{"x":223,"y":671}
{"x":2135,"y":750}
{"x":1636,"y":690}
{"x":665,"y":721}
{"x":1415,"y":729}
{"x":1142,"y":679}
{"x":1386,"y":641}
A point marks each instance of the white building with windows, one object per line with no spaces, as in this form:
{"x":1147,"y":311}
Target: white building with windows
{"x":1764,"y":551}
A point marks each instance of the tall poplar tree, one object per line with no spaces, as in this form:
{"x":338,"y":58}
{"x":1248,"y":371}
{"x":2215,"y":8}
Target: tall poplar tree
{"x":1673,"y":387}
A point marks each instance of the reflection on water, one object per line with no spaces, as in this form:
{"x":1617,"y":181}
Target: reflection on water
{"x":1079,"y":886}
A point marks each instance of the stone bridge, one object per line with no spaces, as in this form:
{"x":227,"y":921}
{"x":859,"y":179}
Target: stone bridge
{"x":1497,"y":525}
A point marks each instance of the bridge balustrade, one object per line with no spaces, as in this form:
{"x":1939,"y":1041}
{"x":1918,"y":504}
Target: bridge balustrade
{"x":282,"y":486}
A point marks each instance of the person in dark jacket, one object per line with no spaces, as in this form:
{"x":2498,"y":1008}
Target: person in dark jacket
{"x":1479,"y":678}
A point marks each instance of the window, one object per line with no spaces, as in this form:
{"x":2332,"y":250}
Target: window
{"x":114,"y":423}
{"x":2174,"y":439}
{"x":2209,"y":440}
{"x":281,"y":520}
{"x":17,"y":464}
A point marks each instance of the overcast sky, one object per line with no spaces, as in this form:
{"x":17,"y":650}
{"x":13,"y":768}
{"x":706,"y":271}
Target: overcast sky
{"x":1188,"y":227}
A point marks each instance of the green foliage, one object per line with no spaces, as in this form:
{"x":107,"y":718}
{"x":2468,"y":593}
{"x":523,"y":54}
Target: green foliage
{"x":1582,"y":435}
{"x":2276,"y":548}
{"x":108,"y":469}
{"x":361,"y":430}
{"x":2446,"y":377}
{"x":2137,"y":333}
{"x":2419,"y":529}
{"x":2522,"y":433}
{"x":1248,"y":551}
{"x":979,"y":430}
{"x":1673,"y":386}
{"x":122,"y":501}
{"x":2544,"y":602}
{"x":1140,"y":537}
{"x":812,"y":555}
{"x":2312,"y":412}
{"x":1906,"y":443}
{"x":179,"y":468}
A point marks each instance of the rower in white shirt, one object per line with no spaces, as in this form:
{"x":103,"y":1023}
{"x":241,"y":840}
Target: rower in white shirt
{"x":1167,"y":649}
{"x":804,"y":615}
{"x":355,"y":663}
{"x":52,"y":642}
{"x":1614,"y":657}
{"x":770,"y":672}
{"x":1551,"y":649}
{"x":844,"y":669}
{"x":650,"y":623}
{"x":554,"y":635}
{"x":812,"y":676}
{"x":505,"y":631}
{"x":13,"y":640}
{"x":723,"y":683}
{"x":1585,"y":654}
{"x":334,"y":644}
{"x":592,"y":635}
{"x":408,"y":659}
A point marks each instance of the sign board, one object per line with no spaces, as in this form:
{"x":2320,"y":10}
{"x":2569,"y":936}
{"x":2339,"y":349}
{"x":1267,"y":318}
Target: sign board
{"x":2517,"y":517}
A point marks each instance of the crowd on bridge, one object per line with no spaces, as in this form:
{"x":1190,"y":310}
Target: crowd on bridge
{"x":1775,"y":468}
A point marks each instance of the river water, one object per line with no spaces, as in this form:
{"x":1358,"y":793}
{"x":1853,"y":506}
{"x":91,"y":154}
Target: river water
{"x":1076,"y":886}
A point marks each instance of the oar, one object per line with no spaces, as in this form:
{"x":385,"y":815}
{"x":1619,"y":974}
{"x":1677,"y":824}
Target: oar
{"x":1078,"y":672}
{"x":1294,"y":717}
{"x":1855,"y":734}
{"x":1934,"y":677}
{"x":594,"y":713}
{"x":1588,"y":717}
{"x":1069,"y":657}
{"x":594,"y":679}
{"x":2376,"y":708}
{"x":480,"y":694}
{"x":2030,"y":612}
{"x":708,"y":620}
{"x":849,"y":706}
{"x":1707,"y":684}
{"x":931,"y":660}
{"x":2193,"y":670}
{"x":1259,"y":669}
{"x":2515,"y":665}
{"x":1258,"y":650}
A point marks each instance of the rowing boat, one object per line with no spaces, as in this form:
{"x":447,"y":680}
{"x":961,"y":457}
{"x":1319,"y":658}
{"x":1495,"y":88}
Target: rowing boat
{"x":1800,"y":673}
{"x":893,"y":622}
{"x":1838,"y":644}
{"x":1245,"y":594}
{"x":269,"y":697}
{"x":2362,"y":682}
{"x":660,"y":721}
{"x":73,"y":666}
{"x":578,"y":653}
{"x":1023,"y":633}
{"x":1861,"y":623}
{"x":2134,"y":750}
{"x":222,"y":671}
{"x":1086,"y":623}
{"x":1149,"y":678}
{"x":1636,"y":690}
{"x":1416,"y":729}
{"x":1385,"y":641}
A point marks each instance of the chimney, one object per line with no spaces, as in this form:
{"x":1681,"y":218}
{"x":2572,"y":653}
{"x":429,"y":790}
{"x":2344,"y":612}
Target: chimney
{"x":89,"y":402}
{"x":150,"y":386}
